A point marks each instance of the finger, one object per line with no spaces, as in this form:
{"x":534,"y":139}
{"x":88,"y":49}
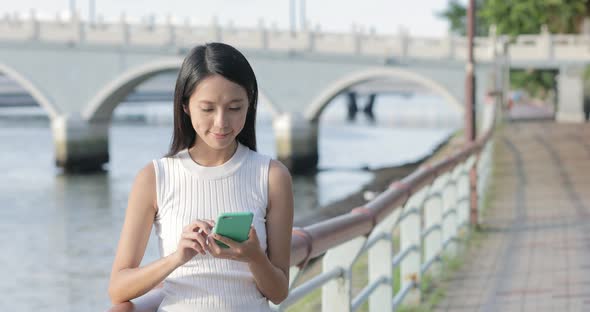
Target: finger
{"x":193,"y":226}
{"x":194,"y":246}
{"x":213,"y":246}
{"x":228,"y":241}
{"x":198,"y":237}
{"x":252,"y":232}
{"x":210,"y":222}
{"x":204,"y":226}
{"x":191,"y":245}
{"x":198,"y":226}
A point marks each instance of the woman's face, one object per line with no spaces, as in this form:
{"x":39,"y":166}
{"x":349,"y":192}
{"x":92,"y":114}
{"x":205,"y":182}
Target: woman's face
{"x":218,"y":110}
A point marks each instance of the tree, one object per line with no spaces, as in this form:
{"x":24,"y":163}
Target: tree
{"x":516,"y":17}
{"x":456,"y":14}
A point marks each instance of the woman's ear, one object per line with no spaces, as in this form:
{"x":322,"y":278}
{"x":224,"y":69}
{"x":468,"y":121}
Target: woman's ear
{"x":186,"y":110}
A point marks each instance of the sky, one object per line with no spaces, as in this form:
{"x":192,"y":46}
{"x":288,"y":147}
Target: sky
{"x":418,"y":17}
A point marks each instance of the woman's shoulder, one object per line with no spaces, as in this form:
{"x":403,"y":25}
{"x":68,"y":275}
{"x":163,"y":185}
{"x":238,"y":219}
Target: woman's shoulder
{"x":144,"y":186}
{"x":278,"y":173}
{"x":147,"y":174}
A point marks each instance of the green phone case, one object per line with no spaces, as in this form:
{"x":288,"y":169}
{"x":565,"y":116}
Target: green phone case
{"x":233,"y":225}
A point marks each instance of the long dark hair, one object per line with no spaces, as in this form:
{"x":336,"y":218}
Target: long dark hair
{"x":201,"y":62}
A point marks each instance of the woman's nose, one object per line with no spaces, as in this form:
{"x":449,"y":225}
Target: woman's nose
{"x":221,"y":120}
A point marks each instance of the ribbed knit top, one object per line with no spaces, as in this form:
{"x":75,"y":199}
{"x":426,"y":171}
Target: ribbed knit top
{"x":187,"y":191}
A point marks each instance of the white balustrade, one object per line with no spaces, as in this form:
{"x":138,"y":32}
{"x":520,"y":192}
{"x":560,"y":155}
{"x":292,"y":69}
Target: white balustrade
{"x":146,"y":32}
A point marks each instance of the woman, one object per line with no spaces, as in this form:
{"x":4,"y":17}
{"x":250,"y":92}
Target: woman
{"x":212,"y":167}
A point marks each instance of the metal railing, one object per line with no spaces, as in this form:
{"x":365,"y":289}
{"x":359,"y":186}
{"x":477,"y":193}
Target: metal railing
{"x":430,"y":209}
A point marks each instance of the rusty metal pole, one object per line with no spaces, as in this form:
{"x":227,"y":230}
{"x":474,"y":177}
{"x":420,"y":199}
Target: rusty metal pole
{"x":470,"y":129}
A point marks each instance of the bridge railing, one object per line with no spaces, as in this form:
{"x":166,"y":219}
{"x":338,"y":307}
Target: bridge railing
{"x":428,"y":212}
{"x":170,"y":35}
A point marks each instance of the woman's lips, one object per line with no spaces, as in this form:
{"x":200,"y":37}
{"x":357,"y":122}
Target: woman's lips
{"x":219,"y":136}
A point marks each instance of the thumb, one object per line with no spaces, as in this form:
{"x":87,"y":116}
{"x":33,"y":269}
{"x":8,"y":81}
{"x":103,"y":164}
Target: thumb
{"x":253,"y":233}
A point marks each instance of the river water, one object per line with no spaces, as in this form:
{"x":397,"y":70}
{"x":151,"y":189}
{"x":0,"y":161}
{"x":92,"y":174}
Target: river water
{"x":59,"y":232}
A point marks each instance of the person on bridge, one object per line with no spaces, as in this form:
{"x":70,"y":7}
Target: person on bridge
{"x":212,"y":167}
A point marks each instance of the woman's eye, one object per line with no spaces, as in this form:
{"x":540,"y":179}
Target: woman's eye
{"x":235,"y":108}
{"x":207,"y":109}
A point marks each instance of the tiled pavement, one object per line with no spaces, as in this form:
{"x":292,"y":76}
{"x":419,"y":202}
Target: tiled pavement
{"x":535,"y":249}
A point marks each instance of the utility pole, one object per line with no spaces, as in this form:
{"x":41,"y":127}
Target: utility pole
{"x":470,"y":128}
{"x":91,"y":11}
{"x":72,"y":8}
{"x":302,"y":15}
{"x":292,"y":8}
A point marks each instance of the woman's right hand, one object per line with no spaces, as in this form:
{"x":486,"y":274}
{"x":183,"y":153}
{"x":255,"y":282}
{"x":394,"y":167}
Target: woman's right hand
{"x":193,"y":240}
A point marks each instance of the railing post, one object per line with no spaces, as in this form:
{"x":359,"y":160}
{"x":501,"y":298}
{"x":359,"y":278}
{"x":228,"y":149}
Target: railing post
{"x":380,"y":259}
{"x":357,"y":37}
{"x":546,"y":42}
{"x":463,"y":195}
{"x":451,"y":45}
{"x":450,"y":213}
{"x":337,"y":293}
{"x":78,"y":27}
{"x":263,"y":34}
{"x":216,"y":30}
{"x":433,"y":208}
{"x":35,"y":26}
{"x":125,"y":30}
{"x":410,"y":229}
{"x":171,"y":31}
{"x":313,"y":34}
{"x":404,"y":43}
{"x":493,"y":43}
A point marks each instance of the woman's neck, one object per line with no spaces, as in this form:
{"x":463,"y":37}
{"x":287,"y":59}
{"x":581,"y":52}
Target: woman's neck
{"x":204,"y":155}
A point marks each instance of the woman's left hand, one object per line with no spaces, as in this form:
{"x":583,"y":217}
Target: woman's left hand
{"x":245,"y":251}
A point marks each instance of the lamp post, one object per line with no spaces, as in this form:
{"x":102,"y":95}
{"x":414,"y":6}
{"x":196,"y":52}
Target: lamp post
{"x":470,"y":128}
{"x":302,"y":17}
{"x":292,"y":9}
{"x":72,"y":8}
{"x":91,"y":11}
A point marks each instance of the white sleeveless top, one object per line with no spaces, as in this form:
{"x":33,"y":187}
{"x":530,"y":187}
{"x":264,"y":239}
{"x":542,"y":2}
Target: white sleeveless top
{"x":187,"y":191}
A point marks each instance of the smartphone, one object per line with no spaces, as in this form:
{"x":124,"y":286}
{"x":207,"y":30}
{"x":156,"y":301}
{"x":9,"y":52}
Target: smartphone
{"x":234,"y":225}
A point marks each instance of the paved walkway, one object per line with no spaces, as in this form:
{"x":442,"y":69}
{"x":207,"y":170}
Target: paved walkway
{"x":535,"y":250}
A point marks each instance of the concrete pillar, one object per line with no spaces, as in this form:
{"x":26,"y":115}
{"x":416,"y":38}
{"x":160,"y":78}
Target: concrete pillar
{"x":570,"y":90}
{"x":80,"y":146}
{"x":351,"y":105}
{"x":297,"y":142}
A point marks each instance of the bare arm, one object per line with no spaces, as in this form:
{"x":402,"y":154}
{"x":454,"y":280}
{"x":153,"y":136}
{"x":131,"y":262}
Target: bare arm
{"x":272,"y":273}
{"x":128,"y":281}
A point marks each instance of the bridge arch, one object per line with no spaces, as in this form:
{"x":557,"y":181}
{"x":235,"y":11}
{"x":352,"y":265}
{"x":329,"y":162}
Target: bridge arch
{"x":314,"y":110}
{"x":106,"y":100}
{"x":44,"y":101}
